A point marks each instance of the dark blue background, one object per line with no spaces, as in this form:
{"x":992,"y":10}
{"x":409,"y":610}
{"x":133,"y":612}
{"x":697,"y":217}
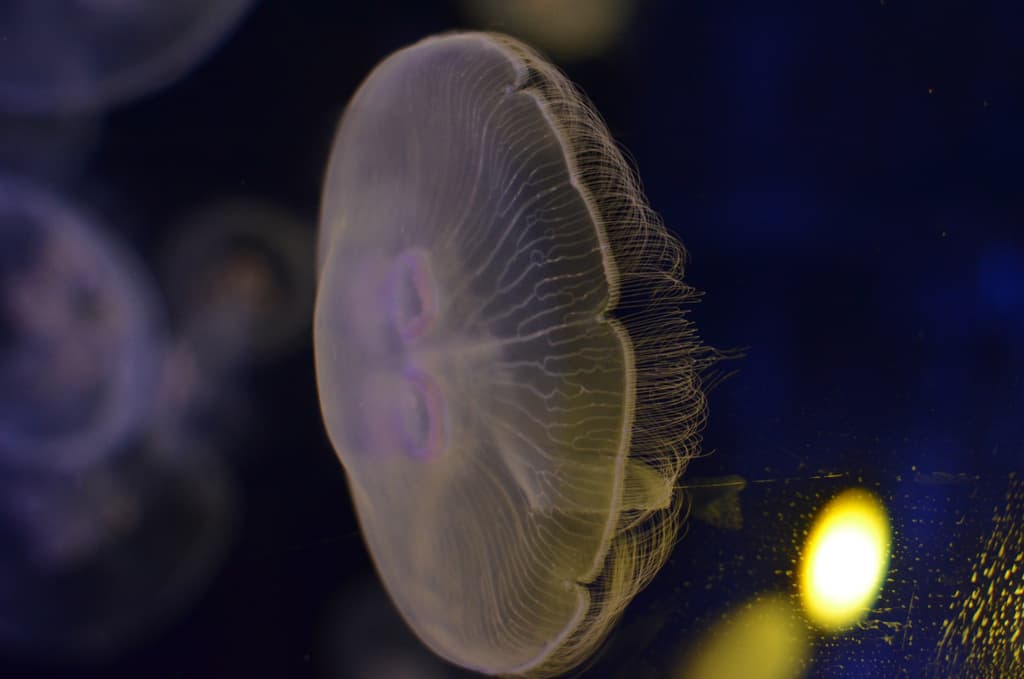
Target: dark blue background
{"x":847,"y":178}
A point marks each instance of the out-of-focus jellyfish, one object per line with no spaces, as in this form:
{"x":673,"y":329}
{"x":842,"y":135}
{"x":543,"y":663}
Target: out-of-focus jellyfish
{"x":240,"y":275}
{"x":79,"y":340}
{"x":69,"y":56}
{"x":94,"y":561}
{"x":196,"y":406}
{"x":568,"y":29}
{"x":504,"y":363}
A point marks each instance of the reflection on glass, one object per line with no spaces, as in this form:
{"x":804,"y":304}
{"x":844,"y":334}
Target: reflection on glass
{"x":716,"y":501}
{"x":951,"y":603}
{"x":79,"y":346}
{"x":845,"y":559}
{"x":61,"y":56}
{"x":983,"y":635}
{"x":505,"y":366}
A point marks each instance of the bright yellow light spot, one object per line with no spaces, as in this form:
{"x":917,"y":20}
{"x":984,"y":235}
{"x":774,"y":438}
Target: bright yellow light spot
{"x":762,"y":639}
{"x":845,"y":560}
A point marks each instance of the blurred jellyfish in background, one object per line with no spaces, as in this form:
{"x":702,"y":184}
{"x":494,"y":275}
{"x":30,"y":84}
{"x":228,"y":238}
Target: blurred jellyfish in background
{"x":80,"y":340}
{"x":239,"y":273}
{"x":107,"y":526}
{"x":72,"y":56}
{"x":569,"y":30}
{"x":505,"y":366}
{"x":240,"y":278}
{"x":93,"y":562}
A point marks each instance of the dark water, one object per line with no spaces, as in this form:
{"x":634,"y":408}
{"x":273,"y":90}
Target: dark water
{"x":848,"y":182}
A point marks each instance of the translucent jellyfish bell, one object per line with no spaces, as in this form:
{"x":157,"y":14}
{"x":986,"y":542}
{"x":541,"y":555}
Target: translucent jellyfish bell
{"x":62,"y":56}
{"x":79,"y":343}
{"x":504,"y":364}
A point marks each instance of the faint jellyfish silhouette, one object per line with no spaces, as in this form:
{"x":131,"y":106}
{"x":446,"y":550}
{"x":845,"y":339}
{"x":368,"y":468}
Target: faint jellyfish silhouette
{"x":195,"y":406}
{"x":79,"y":337}
{"x":505,"y":366}
{"x":95,"y":561}
{"x":70,"y":56}
{"x":240,"y":275}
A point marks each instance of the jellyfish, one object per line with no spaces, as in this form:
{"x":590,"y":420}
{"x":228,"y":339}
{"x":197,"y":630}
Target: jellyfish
{"x":505,"y":364}
{"x":92,"y":562}
{"x":80,"y":340}
{"x":74,"y":56}
{"x":240,"y":275}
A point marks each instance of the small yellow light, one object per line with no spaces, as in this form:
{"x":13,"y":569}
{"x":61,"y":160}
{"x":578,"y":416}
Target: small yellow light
{"x":845,"y":560}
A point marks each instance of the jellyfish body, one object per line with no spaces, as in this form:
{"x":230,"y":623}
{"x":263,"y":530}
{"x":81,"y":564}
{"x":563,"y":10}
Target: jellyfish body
{"x":504,"y":364}
{"x":79,"y":338}
{"x":70,"y":56}
{"x":239,"y":274}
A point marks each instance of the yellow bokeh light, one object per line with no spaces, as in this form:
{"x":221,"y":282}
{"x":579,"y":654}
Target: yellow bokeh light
{"x":762,"y":639}
{"x":845,"y":560}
